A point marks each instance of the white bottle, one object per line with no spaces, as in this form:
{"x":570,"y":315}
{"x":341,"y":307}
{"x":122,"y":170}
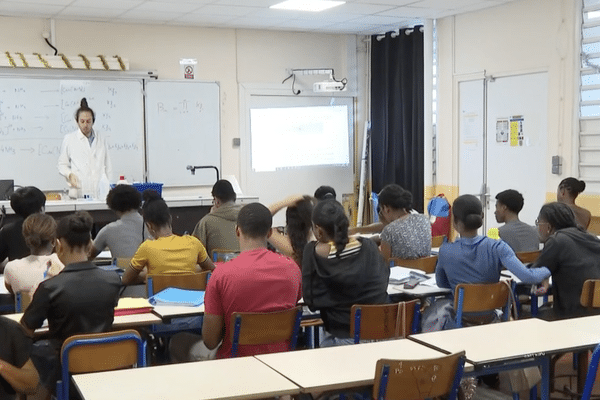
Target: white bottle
{"x":122,"y":180}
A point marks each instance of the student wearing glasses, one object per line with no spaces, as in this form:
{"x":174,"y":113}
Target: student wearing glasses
{"x":570,"y":253}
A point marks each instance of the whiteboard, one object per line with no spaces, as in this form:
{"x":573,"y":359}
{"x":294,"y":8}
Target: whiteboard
{"x":183,"y":129}
{"x":36,"y":113}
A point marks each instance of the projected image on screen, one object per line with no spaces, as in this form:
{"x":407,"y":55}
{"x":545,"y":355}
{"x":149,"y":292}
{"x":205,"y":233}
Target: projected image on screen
{"x":284,"y":138}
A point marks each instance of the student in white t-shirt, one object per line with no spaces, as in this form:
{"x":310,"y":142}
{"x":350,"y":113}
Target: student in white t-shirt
{"x":25,"y":274}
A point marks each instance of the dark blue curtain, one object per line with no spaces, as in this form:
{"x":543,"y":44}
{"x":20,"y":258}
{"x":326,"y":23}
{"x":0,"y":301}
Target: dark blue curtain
{"x":397,"y":113}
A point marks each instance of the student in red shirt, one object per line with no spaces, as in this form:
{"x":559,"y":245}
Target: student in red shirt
{"x":258,"y":280}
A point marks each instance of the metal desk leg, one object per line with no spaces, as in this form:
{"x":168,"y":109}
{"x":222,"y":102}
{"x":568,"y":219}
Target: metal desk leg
{"x":545,"y":384}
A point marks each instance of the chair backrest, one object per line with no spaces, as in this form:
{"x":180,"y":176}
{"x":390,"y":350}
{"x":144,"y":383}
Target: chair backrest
{"x":122,"y":263}
{"x":481,"y":297}
{"x":192,"y":281}
{"x":437,"y":241}
{"x":425,"y":264}
{"x":419,"y":379}
{"x":99,"y":352}
{"x":22,"y":300}
{"x":384,"y":321}
{"x":224,"y":255}
{"x":590,"y":293}
{"x":265,"y":328}
{"x":528,"y":256}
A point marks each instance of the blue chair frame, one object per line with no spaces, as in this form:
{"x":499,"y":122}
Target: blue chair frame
{"x":62,"y":386}
{"x":237,"y":326}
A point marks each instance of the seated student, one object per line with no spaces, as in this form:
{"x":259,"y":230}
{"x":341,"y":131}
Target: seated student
{"x":405,"y":235}
{"x":81,"y":299}
{"x":338,"y":271}
{"x":571,"y":254}
{"x":17,"y":372}
{"x":124,"y":236}
{"x":324,"y":192}
{"x":567,"y":192}
{"x":517,"y":234}
{"x":24,"y":202}
{"x":216,"y":230}
{"x":297,"y":227}
{"x":258,"y":280}
{"x":25,"y":274}
{"x":167,"y":253}
{"x":478,"y":259}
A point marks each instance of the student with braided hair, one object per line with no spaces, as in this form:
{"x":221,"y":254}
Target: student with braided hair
{"x":339,"y":271}
{"x":570,"y":253}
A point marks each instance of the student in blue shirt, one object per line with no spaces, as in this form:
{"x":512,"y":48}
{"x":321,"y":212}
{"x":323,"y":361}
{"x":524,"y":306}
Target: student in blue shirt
{"x":478,"y":259}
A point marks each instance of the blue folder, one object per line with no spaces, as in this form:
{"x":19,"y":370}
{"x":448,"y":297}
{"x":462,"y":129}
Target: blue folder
{"x":178,"y":297}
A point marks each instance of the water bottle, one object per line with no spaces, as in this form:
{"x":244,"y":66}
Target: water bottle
{"x":122,"y":180}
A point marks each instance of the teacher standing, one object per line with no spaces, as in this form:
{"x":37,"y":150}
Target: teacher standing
{"x":84,"y":159}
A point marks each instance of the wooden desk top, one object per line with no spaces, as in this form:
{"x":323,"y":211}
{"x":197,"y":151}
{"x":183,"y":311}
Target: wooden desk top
{"x":235,"y":378}
{"x":342,"y":366}
{"x":510,"y":340}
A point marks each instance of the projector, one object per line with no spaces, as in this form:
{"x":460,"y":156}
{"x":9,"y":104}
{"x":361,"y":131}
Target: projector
{"x":329,"y":86}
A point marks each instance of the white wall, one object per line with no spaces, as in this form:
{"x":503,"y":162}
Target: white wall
{"x":515,"y":38}
{"x":229,"y":56}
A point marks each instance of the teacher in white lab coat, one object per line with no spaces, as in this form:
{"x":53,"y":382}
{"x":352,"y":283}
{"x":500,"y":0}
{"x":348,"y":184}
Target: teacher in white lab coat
{"x":84,"y":159}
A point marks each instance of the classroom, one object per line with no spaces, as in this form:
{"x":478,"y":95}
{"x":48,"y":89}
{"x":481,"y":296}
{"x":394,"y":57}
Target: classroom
{"x":510,"y":41}
{"x":536,"y":37}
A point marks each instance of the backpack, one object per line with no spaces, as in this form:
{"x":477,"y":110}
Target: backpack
{"x":438,"y":209}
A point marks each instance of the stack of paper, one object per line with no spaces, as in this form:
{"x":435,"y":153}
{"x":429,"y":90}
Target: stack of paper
{"x":131,"y":305}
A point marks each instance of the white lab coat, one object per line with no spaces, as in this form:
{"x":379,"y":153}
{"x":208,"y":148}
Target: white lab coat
{"x":91,"y":164}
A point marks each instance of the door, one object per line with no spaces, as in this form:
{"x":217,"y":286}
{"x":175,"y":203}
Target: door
{"x":512,"y":146}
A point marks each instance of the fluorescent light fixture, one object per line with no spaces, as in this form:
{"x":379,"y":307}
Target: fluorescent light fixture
{"x":307,"y":5}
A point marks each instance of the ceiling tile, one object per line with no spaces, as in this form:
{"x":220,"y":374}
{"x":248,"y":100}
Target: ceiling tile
{"x":92,"y":12}
{"x":356,"y":16}
{"x":162,"y":6}
{"x":234,"y":11}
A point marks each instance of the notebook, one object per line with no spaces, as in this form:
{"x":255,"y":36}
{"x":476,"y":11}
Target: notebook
{"x":178,"y":297}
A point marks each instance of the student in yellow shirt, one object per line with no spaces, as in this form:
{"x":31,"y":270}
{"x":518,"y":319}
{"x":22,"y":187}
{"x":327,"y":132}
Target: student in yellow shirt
{"x":167,"y":253}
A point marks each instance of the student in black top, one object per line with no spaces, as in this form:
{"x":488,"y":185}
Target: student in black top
{"x":24,"y":202}
{"x":17,"y":373}
{"x":571,"y":254}
{"x":339,"y":271}
{"x":81,"y":299}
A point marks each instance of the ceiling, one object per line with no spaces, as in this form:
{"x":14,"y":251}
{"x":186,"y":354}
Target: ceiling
{"x":354,"y":17}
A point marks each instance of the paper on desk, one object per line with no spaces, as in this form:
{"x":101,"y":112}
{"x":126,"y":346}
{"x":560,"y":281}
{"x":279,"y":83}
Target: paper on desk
{"x":399,"y":275}
{"x":133,"y":302}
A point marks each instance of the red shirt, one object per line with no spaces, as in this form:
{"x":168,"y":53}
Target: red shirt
{"x":255,"y":281}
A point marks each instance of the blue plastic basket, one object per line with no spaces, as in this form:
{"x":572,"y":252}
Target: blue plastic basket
{"x":157,"y":187}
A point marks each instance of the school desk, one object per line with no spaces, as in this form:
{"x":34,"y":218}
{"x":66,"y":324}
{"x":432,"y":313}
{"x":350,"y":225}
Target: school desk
{"x":167,"y":313}
{"x":342,"y":367}
{"x":234,"y":378}
{"x":587,"y":326}
{"x":120,"y":321}
{"x":511,"y":345}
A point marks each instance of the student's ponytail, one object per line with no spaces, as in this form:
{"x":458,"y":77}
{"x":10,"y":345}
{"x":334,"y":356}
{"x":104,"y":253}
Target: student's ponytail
{"x":330,"y":216}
